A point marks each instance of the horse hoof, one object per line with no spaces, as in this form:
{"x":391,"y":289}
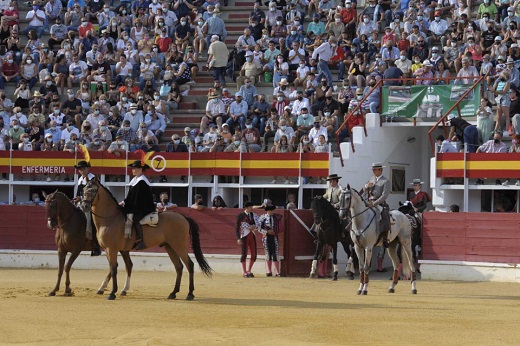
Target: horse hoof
{"x":190,"y":297}
{"x":334,"y":278}
{"x":172,"y":296}
{"x":68,"y":294}
{"x":100,"y":292}
{"x":111,"y":296}
{"x":312,"y":276}
{"x":414,"y":291}
{"x":52,"y":294}
{"x":365,"y":293}
{"x":123,"y":293}
{"x":359,"y":292}
{"x":350,"y":275}
{"x":391,"y":290}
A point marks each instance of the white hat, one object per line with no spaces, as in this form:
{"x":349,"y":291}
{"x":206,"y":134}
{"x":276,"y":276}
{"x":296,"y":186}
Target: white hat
{"x":249,"y":53}
{"x":427,"y":63}
{"x":498,"y":38}
{"x":214,"y":38}
{"x":451,"y":116}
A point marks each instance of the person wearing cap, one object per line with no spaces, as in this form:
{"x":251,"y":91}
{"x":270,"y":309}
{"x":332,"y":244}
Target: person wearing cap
{"x":436,"y":57}
{"x":438,"y":28}
{"x":83,"y":168}
{"x":322,"y":55}
{"x":247,"y":223}
{"x":514,"y":73}
{"x":378,"y":189}
{"x":250,"y":71}
{"x":424,"y":72}
{"x":498,"y":48}
{"x":215,"y":111}
{"x":333,"y":192}
{"x":270,"y":227}
{"x":238,"y":111}
{"x":119,"y":145}
{"x":251,"y":135}
{"x":461,"y":130}
{"x":214,"y":26}
{"x":138,"y":202}
{"x":217,"y":59}
{"x":510,"y":18}
{"x":419,"y":199}
{"x":248,"y":92}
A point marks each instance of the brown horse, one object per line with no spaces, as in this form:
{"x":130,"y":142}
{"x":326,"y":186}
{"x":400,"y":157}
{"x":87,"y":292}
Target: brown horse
{"x":70,"y":224}
{"x":172,"y":232}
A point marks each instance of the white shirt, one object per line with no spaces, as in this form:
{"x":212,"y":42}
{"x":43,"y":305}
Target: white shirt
{"x":65,"y":134}
{"x":297,"y":59}
{"x":35,"y":21}
{"x":83,"y":181}
{"x":439,"y":28}
{"x":136,"y":180}
{"x":298,"y":105}
{"x":315,"y":133}
{"x":22,"y":119}
{"x":78,"y":69}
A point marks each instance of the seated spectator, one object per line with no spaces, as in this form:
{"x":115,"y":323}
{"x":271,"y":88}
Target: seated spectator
{"x":119,"y":146}
{"x":424,"y":74}
{"x":494,"y":145}
{"x":198,"y":203}
{"x":155,"y":122}
{"x":252,"y":137}
{"x":445,"y":145}
{"x":9,"y":72}
{"x":164,"y":203}
{"x":238,"y":111}
{"x":95,"y":144}
{"x":36,"y":19}
{"x":250,"y":71}
{"x":218,"y":203}
{"x":259,"y":113}
{"x":104,"y":134}
{"x":282,"y":146}
{"x":215,"y":112}
{"x":317,"y":130}
{"x":25,"y":143}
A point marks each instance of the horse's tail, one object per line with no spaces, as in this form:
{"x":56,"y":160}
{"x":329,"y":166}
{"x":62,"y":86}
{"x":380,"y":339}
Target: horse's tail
{"x":197,"y":251}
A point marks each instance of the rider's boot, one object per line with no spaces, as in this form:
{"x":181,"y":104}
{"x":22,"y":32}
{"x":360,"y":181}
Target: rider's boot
{"x":96,"y":249}
{"x":139,"y":243}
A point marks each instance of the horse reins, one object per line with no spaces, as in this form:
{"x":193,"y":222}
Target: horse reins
{"x":366,"y":209}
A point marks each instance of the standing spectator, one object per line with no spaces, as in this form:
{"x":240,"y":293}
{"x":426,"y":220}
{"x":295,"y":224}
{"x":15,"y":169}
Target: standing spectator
{"x":215,"y":26}
{"x":325,"y":52}
{"x":464,"y":131}
{"x":36,"y":19}
{"x":217,"y":59}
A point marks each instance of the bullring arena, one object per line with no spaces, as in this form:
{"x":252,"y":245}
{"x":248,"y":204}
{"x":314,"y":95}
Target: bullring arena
{"x":231,"y":310}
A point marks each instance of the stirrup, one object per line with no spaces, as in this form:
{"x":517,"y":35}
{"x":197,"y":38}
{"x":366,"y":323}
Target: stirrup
{"x":139,"y":245}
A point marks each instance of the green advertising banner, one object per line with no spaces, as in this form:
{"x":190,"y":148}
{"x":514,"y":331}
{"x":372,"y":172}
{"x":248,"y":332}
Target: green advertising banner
{"x":428,"y":103}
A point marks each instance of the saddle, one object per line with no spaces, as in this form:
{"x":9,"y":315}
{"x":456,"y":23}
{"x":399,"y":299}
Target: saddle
{"x":382,"y":224}
{"x":151,"y":219}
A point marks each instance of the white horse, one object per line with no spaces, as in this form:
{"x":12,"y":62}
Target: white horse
{"x":365,"y":236}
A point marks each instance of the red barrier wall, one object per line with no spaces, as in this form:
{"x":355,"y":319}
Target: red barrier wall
{"x":25,"y":227}
{"x":474,"y":237}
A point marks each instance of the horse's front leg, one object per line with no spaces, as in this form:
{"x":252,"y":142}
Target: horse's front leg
{"x":314,"y":264}
{"x":392,"y":251}
{"x":335,"y":261}
{"x":361,"y":258}
{"x":112,"y":262}
{"x":72,"y":258}
{"x":128,"y":265}
{"x":61,"y":263}
{"x":368,"y":262}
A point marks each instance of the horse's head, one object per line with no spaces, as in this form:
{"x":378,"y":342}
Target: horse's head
{"x":89,"y":194}
{"x":345,"y":201}
{"x":318,"y":209}
{"x":51,"y":206}
{"x":406,"y":208}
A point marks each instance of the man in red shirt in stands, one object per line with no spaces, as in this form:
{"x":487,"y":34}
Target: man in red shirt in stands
{"x":9,"y":72}
{"x":164,"y":41}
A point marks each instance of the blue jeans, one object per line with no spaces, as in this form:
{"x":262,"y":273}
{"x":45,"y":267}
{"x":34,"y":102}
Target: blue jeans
{"x":15,"y":80}
{"x":341,"y":70}
{"x":471,"y":138}
{"x":219,"y":74}
{"x":324,"y":71}
{"x":240,"y":120}
{"x":38,"y":29}
{"x":142,"y":83}
{"x":374,"y":107}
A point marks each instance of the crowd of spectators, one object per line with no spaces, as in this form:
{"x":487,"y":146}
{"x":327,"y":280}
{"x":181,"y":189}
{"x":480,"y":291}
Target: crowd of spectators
{"x":109,"y":76}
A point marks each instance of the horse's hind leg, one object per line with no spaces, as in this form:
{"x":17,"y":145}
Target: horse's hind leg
{"x":349,"y":269}
{"x":178,"y":269}
{"x":367,"y":264}
{"x":392,"y":252}
{"x":61,"y":263}
{"x":72,"y":258}
{"x":361,"y":256}
{"x":314,"y":264}
{"x":406,"y":247}
{"x":191,"y":270}
{"x":128,"y":266}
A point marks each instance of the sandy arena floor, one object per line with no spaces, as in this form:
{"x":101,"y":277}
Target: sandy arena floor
{"x":231,"y":310}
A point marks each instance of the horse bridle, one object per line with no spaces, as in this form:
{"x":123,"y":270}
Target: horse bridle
{"x":351,"y":217}
{"x":94,"y":195}
{"x":53,"y":203}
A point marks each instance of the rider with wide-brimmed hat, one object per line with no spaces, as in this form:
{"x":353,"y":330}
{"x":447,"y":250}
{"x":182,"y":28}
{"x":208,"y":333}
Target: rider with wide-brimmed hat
{"x":83,"y":167}
{"x":418,"y":198}
{"x":333,"y":193}
{"x":378,"y":189}
{"x":139,"y":201}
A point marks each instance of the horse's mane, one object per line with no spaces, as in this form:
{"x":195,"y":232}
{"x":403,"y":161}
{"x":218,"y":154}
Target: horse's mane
{"x":111,"y":195}
{"x":329,"y":209}
{"x":63,"y":195}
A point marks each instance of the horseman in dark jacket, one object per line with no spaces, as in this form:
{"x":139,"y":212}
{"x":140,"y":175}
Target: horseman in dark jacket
{"x":139,"y":201}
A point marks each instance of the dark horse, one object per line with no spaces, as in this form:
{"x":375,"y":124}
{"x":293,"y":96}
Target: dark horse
{"x":328,"y":227}
{"x":70,"y":223}
{"x":416,"y":221}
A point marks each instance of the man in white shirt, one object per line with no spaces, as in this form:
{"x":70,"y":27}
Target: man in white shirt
{"x":300,"y":103}
{"x":317,"y":130}
{"x":77,"y":71}
{"x":36,"y":20}
{"x":69,"y":130}
{"x":325,"y":52}
{"x":438,"y":28}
